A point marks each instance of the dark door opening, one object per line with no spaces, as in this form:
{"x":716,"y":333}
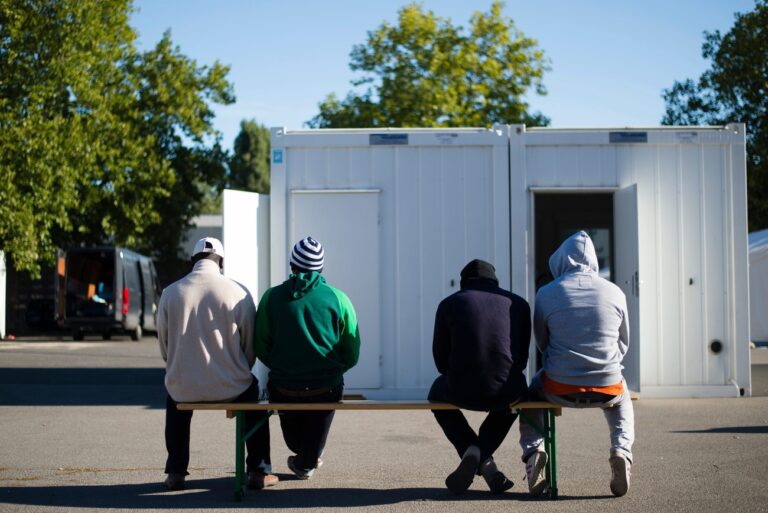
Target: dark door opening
{"x":560,"y":215}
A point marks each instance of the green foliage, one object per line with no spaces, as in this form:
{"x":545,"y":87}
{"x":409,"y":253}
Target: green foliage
{"x":249,"y":165}
{"x":734,"y":89}
{"x":101,"y":143}
{"x":426,"y":72}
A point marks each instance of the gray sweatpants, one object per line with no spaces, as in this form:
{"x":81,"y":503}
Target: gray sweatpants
{"x":618,"y":412}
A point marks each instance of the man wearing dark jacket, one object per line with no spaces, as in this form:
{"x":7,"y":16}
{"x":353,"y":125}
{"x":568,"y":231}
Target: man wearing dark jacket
{"x":307,"y":334}
{"x":480,"y":346}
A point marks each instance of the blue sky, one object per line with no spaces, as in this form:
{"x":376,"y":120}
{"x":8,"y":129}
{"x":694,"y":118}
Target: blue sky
{"x":610,"y":59}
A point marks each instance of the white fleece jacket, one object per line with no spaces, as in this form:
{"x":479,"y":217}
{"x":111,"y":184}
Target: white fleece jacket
{"x":580,"y":319}
{"x":205,"y":329}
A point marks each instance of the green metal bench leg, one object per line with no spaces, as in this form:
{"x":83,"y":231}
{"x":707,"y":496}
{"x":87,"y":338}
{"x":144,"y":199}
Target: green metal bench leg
{"x":548,"y":449}
{"x":551,"y":440}
{"x":239,"y":456}
{"x":550,"y":446}
{"x":240,"y":439}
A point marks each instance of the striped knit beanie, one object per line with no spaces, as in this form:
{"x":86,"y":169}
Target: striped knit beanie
{"x":307,"y":255}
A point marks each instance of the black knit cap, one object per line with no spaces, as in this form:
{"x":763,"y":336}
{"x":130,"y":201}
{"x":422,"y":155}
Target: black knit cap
{"x":479,"y":270}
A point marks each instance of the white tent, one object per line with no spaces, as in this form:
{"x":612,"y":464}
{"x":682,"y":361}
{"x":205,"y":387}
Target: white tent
{"x":758,"y":285}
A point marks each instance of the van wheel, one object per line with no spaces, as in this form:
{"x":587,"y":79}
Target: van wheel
{"x":77,"y":334}
{"x":106,"y":335}
{"x":136,"y":334}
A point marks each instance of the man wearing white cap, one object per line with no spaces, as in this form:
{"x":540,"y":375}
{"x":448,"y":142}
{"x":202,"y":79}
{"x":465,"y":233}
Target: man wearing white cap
{"x":205,"y":329}
{"x":307,"y":334}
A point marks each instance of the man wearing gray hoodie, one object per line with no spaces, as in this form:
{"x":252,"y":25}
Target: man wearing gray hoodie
{"x":581,"y":326}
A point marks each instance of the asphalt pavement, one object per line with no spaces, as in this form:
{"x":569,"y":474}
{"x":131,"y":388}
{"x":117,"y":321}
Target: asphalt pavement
{"x":81,"y":429}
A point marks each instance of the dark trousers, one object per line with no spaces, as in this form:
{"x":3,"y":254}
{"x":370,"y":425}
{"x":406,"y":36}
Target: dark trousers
{"x":305,"y":432}
{"x":177,"y":424}
{"x":492,"y":431}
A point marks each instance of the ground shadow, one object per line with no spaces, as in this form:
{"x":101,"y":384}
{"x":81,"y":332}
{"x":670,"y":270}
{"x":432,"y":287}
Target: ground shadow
{"x":746,"y":430}
{"x":82,"y":387}
{"x":218,"y":493}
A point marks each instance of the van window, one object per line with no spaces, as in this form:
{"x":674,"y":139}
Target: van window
{"x":90,"y":284}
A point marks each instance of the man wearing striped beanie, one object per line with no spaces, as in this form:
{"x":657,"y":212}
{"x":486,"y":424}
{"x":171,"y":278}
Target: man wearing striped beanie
{"x":307,"y":334}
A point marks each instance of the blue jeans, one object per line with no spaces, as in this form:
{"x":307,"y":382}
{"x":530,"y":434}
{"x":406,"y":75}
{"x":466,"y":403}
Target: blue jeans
{"x":618,"y":413}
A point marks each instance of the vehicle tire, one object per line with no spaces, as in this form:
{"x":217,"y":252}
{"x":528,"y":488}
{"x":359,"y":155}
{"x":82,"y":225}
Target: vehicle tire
{"x":77,"y":334}
{"x":106,"y":335}
{"x":136,"y":333}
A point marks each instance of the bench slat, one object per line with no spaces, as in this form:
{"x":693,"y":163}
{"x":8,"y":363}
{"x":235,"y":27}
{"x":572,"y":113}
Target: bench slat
{"x":349,"y":405}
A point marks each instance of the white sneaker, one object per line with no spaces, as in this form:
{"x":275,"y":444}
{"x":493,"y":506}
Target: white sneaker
{"x":620,"y":474}
{"x":534,"y":473}
{"x":299,"y":472}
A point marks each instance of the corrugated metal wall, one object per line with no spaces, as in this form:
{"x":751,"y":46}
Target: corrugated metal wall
{"x":691,"y":217}
{"x":447,"y":196}
{"x":441,"y":205}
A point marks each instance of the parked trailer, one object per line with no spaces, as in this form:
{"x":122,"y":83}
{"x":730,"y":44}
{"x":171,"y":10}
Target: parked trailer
{"x":109,"y":289}
{"x":400,"y":211}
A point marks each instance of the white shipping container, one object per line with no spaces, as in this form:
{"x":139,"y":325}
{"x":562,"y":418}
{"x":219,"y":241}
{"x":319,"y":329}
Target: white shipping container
{"x":676,"y":212}
{"x":401,"y":211}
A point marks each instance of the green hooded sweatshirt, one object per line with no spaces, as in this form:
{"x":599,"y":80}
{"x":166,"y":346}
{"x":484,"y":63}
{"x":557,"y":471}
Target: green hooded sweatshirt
{"x":306,"y":332}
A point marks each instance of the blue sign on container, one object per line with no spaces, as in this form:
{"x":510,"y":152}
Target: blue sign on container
{"x":376,"y":139}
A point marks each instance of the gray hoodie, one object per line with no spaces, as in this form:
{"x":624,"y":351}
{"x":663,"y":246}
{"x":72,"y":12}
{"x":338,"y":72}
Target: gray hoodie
{"x":580,"y":319}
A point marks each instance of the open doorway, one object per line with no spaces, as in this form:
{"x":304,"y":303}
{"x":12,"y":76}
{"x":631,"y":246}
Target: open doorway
{"x":610,"y":219}
{"x":560,"y":215}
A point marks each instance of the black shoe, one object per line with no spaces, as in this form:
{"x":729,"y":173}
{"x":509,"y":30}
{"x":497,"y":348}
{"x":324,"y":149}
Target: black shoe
{"x":175,"y":482}
{"x":461,"y":478}
{"x":495,"y":479}
{"x":300,"y":473}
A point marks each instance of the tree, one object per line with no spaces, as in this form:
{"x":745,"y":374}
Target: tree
{"x":170,"y":109}
{"x":56,"y":58}
{"x":426,"y":72}
{"x":249,"y":165}
{"x":101,"y":143}
{"x":734,"y":89}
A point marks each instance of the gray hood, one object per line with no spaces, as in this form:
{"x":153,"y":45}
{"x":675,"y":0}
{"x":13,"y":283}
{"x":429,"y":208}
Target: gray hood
{"x":575,"y":255}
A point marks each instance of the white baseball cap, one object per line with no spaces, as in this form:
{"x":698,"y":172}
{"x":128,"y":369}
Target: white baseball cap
{"x":209,"y":245}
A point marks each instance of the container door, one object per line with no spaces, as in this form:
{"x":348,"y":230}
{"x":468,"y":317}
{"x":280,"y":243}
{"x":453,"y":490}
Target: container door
{"x":347,"y":225}
{"x":626,"y":240}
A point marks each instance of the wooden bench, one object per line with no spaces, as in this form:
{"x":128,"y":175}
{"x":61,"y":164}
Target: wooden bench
{"x":236,"y":410}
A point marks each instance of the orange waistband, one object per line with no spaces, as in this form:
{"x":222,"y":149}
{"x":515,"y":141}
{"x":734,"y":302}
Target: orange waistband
{"x":557,"y":388}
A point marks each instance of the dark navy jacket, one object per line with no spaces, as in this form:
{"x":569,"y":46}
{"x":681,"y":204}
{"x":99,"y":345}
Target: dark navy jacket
{"x":481,"y":340}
